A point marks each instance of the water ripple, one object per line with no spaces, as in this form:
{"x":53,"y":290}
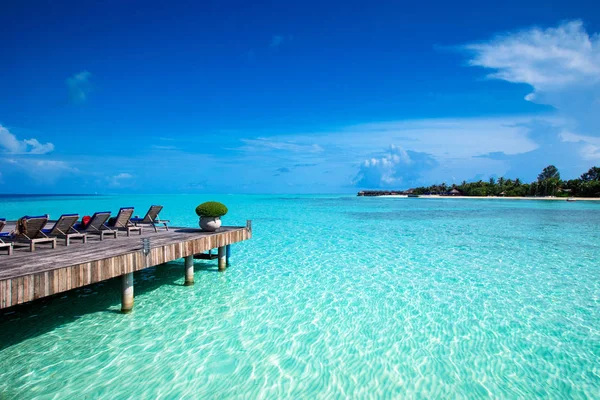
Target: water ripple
{"x":335,"y":298}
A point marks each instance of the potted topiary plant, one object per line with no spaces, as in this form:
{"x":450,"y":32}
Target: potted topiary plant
{"x":210,"y":214}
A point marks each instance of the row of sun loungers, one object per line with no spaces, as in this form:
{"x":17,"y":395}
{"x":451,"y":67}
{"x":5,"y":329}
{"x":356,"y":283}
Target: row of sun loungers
{"x":31,"y":230}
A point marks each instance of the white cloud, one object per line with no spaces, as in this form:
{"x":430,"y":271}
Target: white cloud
{"x":10,"y":144}
{"x":157,"y":147}
{"x":562,"y":64}
{"x":44,"y":172}
{"x":443,"y":138}
{"x":274,"y":144}
{"x":120,"y":180}
{"x":55,"y":165}
{"x":79,"y":87}
{"x":543,"y":58}
{"x":590,"y":145}
{"x":397,"y":167}
{"x":591,"y":153}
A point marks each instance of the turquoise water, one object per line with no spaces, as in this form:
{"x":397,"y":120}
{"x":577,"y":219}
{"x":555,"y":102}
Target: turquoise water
{"x":334,"y":296}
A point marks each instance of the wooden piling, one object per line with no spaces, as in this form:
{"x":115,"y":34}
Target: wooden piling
{"x":189,"y":270}
{"x":127,"y":292}
{"x":222,"y":259}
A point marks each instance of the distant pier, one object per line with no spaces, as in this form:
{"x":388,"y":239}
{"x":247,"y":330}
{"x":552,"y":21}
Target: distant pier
{"x":26,"y":276}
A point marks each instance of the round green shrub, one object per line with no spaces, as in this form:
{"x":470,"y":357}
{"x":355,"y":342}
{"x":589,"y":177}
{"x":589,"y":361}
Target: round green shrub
{"x":211,"y":209}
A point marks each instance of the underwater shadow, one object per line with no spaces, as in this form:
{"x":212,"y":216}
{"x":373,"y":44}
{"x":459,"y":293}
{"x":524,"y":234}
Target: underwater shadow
{"x":29,"y":320}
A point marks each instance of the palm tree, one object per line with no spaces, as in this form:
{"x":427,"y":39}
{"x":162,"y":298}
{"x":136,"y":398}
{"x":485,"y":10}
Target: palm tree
{"x":593,"y":174}
{"x":549,"y":172}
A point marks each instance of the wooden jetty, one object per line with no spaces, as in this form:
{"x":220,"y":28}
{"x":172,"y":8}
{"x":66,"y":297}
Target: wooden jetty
{"x":27,"y":276}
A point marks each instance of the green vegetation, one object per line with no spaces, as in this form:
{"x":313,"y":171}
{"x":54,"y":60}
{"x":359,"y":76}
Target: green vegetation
{"x":211,"y":209}
{"x":547,"y":184}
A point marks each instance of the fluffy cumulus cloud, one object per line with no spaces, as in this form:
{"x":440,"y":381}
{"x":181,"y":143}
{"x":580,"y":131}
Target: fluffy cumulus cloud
{"x":79,"y":86}
{"x":10,"y":144}
{"x":562,"y":64}
{"x":396,"y":168}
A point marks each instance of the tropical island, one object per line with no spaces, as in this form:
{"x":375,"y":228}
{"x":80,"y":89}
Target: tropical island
{"x":548,"y":185}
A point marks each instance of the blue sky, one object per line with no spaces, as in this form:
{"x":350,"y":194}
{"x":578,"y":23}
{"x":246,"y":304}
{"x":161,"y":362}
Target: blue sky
{"x":293,"y":97}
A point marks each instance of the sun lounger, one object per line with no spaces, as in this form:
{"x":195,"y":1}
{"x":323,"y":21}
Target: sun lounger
{"x":123,"y":221}
{"x":64,"y":228}
{"x":97,"y":225}
{"x":29,"y":230}
{"x":151,"y":218}
{"x":4,"y":245}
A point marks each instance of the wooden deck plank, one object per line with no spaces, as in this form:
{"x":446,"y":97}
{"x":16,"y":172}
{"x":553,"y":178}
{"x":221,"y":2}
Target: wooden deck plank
{"x":25,"y":276}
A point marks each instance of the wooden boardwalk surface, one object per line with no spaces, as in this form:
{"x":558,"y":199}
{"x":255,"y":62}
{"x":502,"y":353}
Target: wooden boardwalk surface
{"x":26,"y":276}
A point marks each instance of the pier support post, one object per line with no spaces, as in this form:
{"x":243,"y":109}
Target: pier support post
{"x":189,"y":271}
{"x":127,"y":292}
{"x":222,"y":259}
{"x":228,"y":254}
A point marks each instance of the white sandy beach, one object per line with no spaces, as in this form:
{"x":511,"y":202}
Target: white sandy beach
{"x":497,"y":198}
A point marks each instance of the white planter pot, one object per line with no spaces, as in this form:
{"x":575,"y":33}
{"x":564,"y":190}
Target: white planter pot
{"x":210,"y":224}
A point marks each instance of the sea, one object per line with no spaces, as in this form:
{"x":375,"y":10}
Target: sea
{"x":335,"y":296}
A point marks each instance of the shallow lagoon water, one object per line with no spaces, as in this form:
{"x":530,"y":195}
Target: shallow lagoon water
{"x":334,"y":296}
